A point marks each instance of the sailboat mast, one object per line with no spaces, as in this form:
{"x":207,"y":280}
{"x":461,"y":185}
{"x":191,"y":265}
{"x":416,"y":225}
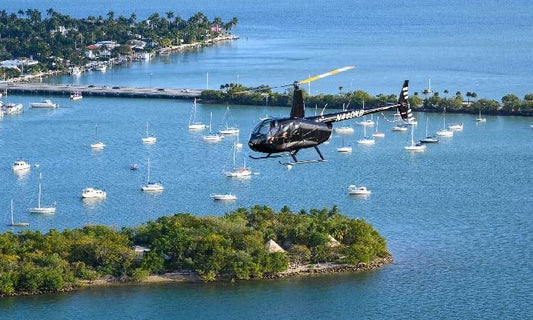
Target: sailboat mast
{"x":39,"y":199}
{"x":148,"y":173}
{"x":12,"y":221}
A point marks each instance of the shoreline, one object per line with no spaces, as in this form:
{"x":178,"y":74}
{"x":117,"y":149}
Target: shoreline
{"x":193,"y":277}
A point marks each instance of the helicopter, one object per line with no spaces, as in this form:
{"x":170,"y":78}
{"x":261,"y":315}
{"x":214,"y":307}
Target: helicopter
{"x":286,"y":136}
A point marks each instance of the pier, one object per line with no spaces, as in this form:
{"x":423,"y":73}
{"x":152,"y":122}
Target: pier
{"x":94,"y":90}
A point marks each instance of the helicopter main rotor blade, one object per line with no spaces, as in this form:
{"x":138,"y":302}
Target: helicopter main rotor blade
{"x":327,"y":74}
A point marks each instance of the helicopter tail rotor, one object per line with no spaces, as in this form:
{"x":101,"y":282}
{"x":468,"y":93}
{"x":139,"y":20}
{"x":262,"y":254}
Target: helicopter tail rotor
{"x":403,"y":103}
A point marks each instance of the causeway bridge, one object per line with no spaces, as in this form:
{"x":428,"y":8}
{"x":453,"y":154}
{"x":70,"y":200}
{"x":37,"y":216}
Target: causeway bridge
{"x":93,"y":90}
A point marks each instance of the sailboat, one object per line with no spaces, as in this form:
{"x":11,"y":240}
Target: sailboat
{"x":212,"y":137}
{"x":365,"y":122}
{"x":366,"y":140}
{"x":343,"y":129}
{"x":151,"y":186}
{"x":45,"y":209}
{"x":378,"y":134}
{"x":16,"y":224}
{"x":98,"y":145}
{"x":193,"y":124}
{"x":480,"y":118}
{"x":428,"y":138}
{"x":401,"y":127}
{"x":238,"y":172}
{"x":444,"y":132}
{"x":229,"y":130}
{"x":415,"y":147}
{"x":343,"y":148}
{"x":149,"y":139}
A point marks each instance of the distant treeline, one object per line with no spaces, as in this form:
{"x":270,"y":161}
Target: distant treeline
{"x":229,"y":247}
{"x":263,"y":95}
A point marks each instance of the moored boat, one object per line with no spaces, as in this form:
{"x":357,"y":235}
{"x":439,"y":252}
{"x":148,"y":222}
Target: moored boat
{"x":45,"y":104}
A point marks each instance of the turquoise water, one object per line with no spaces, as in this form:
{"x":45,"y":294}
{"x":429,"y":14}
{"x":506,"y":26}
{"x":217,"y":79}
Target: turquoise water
{"x":457,"y":218}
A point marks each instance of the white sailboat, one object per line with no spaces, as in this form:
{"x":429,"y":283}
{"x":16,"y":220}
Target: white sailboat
{"x":415,"y":147}
{"x":428,"y":138}
{"x":444,"y":132}
{"x":365,"y":122}
{"x":366,"y":140}
{"x":149,"y":139}
{"x":39,"y":209}
{"x":343,"y":148}
{"x":343,"y":129}
{"x":378,"y":134}
{"x":229,"y":129}
{"x":98,"y":145}
{"x":151,"y":186}
{"x":212,"y":137}
{"x":238,"y":172}
{"x":193,"y":124}
{"x":16,"y":224}
{"x":480,"y":118}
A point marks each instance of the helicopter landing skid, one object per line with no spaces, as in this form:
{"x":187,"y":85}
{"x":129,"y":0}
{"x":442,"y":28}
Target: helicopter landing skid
{"x":293,"y":155}
{"x":269,"y":156}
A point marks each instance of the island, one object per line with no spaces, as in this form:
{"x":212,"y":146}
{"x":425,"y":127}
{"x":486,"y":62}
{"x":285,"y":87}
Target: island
{"x":254,"y":243}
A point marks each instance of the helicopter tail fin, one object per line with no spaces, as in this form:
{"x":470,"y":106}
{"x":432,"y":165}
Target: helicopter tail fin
{"x":403,"y":103}
{"x":298,"y":108}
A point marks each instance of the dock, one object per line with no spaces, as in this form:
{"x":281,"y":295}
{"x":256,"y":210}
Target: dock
{"x":45,"y":89}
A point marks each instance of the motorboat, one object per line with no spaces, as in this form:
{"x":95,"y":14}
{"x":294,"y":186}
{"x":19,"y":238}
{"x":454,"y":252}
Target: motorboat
{"x":45,"y":104}
{"x":149,"y":139}
{"x":193,"y":124}
{"x":42,"y":209}
{"x":400,"y":128}
{"x":223,"y":197}
{"x":456,"y":126}
{"x":344,"y":130}
{"x":134,"y":167}
{"x":16,"y":224}
{"x":151,"y":186}
{"x":358,"y":191}
{"x":101,"y":68}
{"x":21,"y":165}
{"x":12,"y":108}
{"x":92,"y":193}
{"x":76,"y":96}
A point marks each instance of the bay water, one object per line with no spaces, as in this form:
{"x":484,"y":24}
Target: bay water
{"x":457,"y":217}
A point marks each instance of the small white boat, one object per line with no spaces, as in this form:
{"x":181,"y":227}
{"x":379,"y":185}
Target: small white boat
{"x":100,"y":67}
{"x":400,"y":128}
{"x":98,"y":145}
{"x":480,"y":118}
{"x":224,"y":197}
{"x":149,"y":139}
{"x":411,"y":122}
{"x":212,"y":137}
{"x":151,"y":186}
{"x":358,"y":191}
{"x":418,"y":147}
{"x":229,"y":130}
{"x":16,"y":224}
{"x":377,"y":133}
{"x":444,"y":132}
{"x":76,"y":96}
{"x":344,"y":130}
{"x":456,"y":126}
{"x":21,"y":165}
{"x":193,"y":124}
{"x":366,"y":140}
{"x":238,"y":172}
{"x":92,"y":193}
{"x":12,"y":108}
{"x":45,"y":104}
{"x":42,"y":209}
{"x":367,"y":123}
{"x":76,"y":71}
{"x":343,"y":148}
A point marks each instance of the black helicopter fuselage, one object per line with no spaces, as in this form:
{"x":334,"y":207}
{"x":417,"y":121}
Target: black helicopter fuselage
{"x":276,"y":135}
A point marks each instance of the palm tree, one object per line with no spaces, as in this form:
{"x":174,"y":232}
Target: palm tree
{"x":170,"y":15}
{"x":468,"y":95}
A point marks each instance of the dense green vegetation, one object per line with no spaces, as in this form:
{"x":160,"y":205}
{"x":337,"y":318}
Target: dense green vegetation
{"x":58,"y":40}
{"x":229,"y":247}
{"x":237,"y":94}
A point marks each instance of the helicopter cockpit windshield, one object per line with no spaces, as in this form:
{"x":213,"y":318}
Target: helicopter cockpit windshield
{"x":266,"y":127}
